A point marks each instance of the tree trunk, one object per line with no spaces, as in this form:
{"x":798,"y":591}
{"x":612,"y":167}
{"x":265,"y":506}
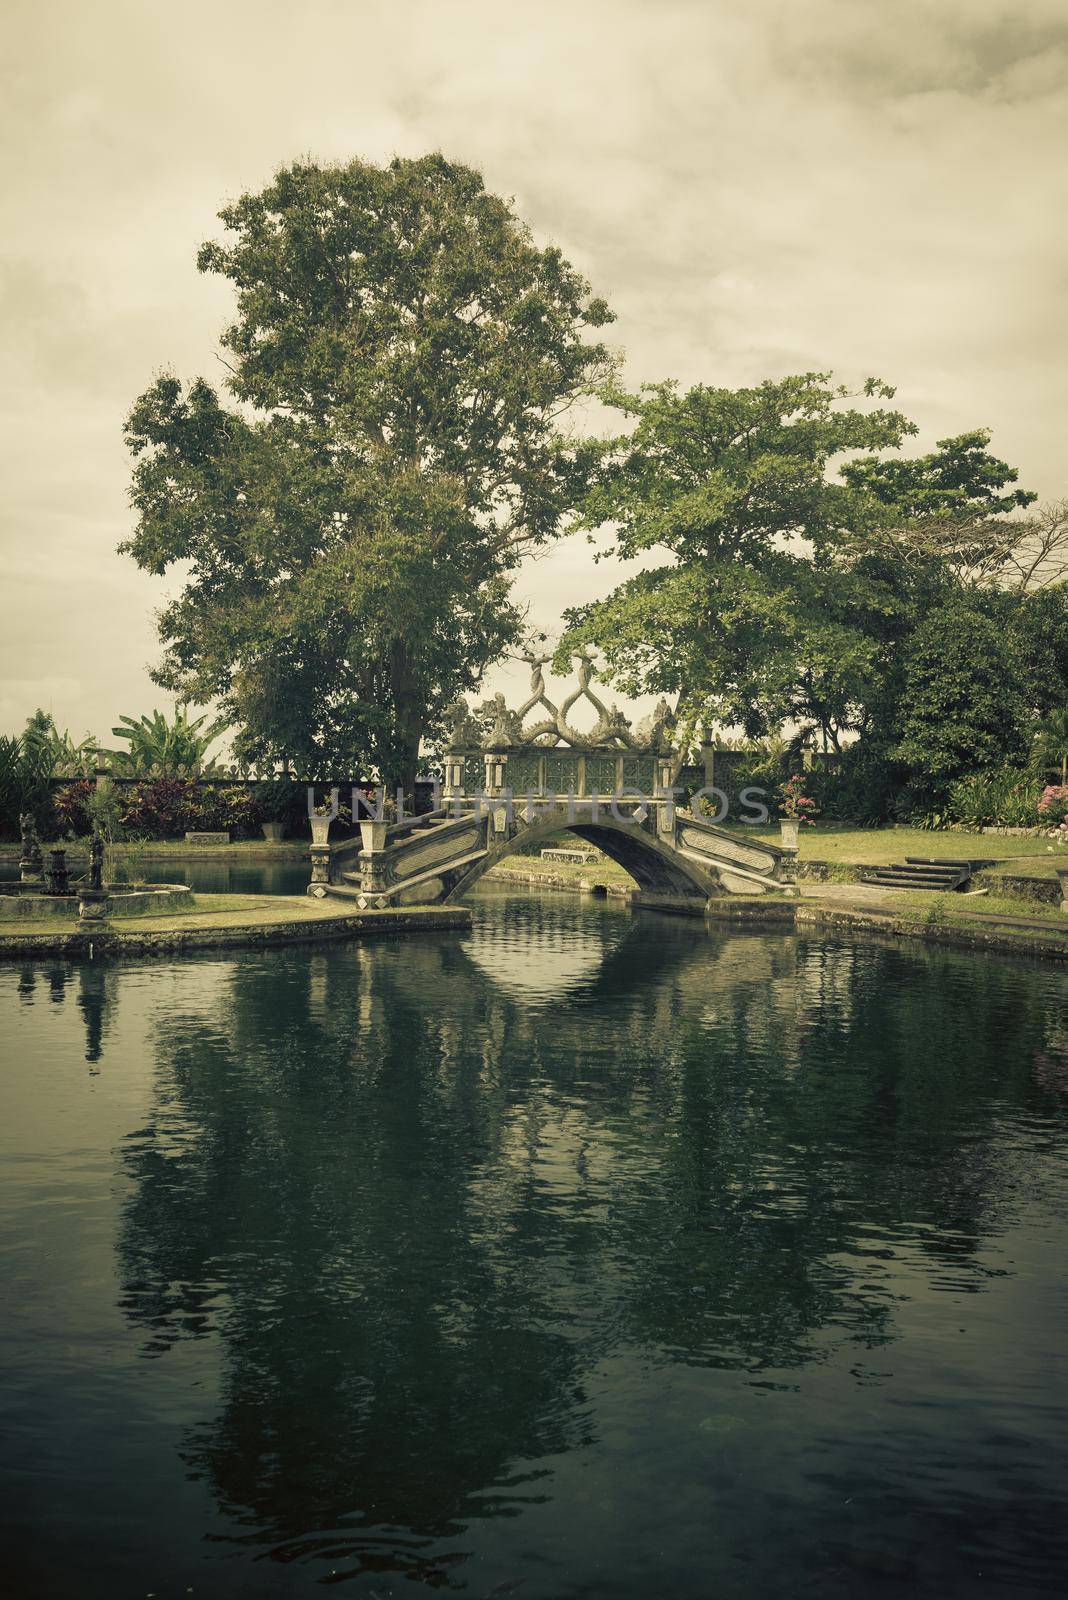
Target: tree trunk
{"x":409,"y":714}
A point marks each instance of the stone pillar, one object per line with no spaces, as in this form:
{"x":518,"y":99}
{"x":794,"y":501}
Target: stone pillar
{"x":663,"y":772}
{"x":708,"y":758}
{"x":374,"y":872}
{"x":92,"y":906}
{"x":496,"y":772}
{"x":454,"y":775}
{"x":788,"y":865}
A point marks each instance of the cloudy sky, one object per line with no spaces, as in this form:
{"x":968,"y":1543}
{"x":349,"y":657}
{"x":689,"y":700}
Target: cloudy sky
{"x":756,"y":186}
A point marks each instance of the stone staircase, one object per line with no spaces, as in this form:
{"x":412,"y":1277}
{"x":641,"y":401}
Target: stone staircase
{"x":916,"y":873}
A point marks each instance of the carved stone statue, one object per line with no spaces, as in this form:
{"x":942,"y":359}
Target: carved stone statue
{"x":30,"y":862}
{"x":504,"y":730}
{"x":654,"y":731}
{"x":463,"y":729}
{"x":96,"y":861}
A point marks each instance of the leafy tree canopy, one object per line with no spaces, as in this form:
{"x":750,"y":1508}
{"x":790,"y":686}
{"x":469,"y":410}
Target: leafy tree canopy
{"x":402,"y":357}
{"x":727,"y":483}
{"x":801,"y":554}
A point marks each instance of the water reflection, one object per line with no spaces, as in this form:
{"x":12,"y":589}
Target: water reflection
{"x":596,"y":1253}
{"x":424,"y":1201}
{"x":96,"y":986}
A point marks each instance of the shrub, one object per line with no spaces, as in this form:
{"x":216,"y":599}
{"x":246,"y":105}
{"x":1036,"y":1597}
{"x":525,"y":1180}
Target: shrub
{"x":1004,"y":799}
{"x":963,"y":708}
{"x":162,"y":808}
{"x":282,"y":800}
{"x":232,"y":808}
{"x":863,"y":786}
{"x":71,"y":806}
{"x":1052,"y":807}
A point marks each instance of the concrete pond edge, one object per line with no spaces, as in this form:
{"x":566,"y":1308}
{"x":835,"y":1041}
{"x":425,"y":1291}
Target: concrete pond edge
{"x":109,"y":941}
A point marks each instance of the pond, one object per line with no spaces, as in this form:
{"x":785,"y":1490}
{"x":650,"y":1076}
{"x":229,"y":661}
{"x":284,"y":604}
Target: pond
{"x":213,"y":877}
{"x":582,"y":1254}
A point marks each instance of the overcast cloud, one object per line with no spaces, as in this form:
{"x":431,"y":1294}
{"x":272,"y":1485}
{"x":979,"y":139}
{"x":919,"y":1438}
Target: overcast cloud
{"x":873,"y":186}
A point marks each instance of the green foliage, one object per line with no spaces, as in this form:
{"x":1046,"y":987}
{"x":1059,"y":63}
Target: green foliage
{"x":401,"y":356}
{"x":105,"y":810}
{"x":959,"y":477}
{"x":863,"y":786}
{"x":171,"y":747}
{"x":26,"y":762}
{"x":166,"y":807}
{"x":963,"y":706}
{"x":813,"y":577}
{"x":70,"y":805}
{"x":751,"y":764}
{"x":232,"y":807}
{"x":58,"y":751}
{"x":1051,"y":743}
{"x":1005,"y":798}
{"x":282,"y":800}
{"x":721,"y":480}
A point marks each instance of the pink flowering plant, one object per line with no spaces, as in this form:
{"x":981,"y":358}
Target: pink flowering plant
{"x":1053,"y":807}
{"x":794,"y":803}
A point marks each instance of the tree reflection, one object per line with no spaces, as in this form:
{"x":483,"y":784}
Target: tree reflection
{"x":419,"y":1209}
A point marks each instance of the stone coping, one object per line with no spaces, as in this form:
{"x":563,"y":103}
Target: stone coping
{"x":137,"y":900}
{"x":279,"y":920}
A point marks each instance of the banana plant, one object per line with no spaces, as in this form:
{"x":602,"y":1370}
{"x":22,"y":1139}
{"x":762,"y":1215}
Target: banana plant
{"x":166,"y":746}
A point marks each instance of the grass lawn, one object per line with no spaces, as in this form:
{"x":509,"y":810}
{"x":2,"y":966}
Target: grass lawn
{"x":602,"y":869}
{"x":838,"y":842}
{"x":963,"y":907}
{"x":1030,"y":866}
{"x":840,"y":846}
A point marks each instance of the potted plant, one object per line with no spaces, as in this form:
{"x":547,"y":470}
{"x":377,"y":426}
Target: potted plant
{"x":373,"y":829}
{"x":795,"y":809}
{"x":274,"y":800}
{"x":321,"y":817}
{"x":323,"y":814}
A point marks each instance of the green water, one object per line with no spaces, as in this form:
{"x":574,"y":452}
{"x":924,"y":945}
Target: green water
{"x":577,"y":1255}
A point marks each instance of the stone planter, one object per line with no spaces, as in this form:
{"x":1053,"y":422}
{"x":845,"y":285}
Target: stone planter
{"x":789,"y":827}
{"x":373,"y":836}
{"x":272,"y":831}
{"x":320,"y":827}
{"x":1062,"y":876}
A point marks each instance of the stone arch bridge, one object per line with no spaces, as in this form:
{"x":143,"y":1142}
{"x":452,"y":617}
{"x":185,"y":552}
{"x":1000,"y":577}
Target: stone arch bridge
{"x":510,"y":782}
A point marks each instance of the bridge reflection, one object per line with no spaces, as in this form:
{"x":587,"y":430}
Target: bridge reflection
{"x":419,"y":1206}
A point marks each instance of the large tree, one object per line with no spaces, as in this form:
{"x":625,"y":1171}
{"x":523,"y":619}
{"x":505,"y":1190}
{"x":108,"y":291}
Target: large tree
{"x":734,"y":491}
{"x":797,"y":553}
{"x":402,"y":357}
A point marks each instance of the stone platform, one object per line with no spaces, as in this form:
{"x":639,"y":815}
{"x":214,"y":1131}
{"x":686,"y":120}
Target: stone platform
{"x":265,"y":921}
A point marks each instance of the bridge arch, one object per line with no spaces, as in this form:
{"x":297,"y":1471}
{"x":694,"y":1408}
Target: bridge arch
{"x":658,"y":869}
